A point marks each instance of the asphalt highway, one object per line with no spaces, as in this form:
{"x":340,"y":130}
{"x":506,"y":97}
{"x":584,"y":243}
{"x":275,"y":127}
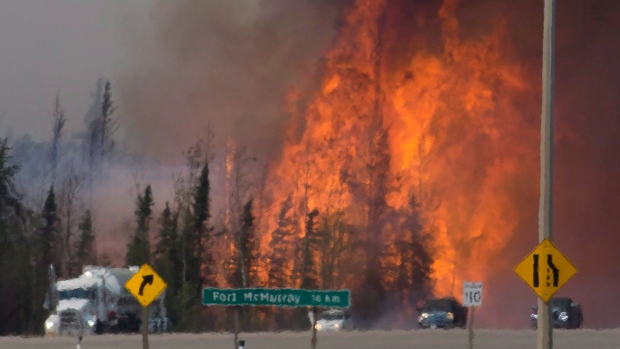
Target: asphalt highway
{"x":427,"y":339}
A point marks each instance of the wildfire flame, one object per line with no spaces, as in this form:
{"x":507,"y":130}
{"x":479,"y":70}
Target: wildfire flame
{"x":454,"y":138}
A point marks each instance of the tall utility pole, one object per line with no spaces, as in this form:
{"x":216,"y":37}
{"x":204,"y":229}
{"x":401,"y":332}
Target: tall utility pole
{"x":545,"y":212}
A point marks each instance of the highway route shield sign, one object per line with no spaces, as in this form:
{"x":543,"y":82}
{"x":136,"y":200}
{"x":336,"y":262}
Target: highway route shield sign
{"x":146,"y":285}
{"x":545,"y":270}
{"x":472,"y":294}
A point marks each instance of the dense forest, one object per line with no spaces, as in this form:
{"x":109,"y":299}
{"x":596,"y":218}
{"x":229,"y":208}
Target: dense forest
{"x":47,"y":216}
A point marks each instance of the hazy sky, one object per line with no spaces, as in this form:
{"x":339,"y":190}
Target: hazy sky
{"x":59,"y":46}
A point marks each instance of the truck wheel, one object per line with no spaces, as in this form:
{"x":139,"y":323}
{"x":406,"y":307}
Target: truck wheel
{"x":98,"y":327}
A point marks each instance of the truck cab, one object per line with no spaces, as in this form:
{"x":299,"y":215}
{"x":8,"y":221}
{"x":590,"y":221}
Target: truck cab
{"x":97,"y":302}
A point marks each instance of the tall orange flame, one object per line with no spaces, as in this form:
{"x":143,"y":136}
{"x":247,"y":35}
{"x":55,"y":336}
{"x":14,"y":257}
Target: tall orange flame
{"x":454,"y":137}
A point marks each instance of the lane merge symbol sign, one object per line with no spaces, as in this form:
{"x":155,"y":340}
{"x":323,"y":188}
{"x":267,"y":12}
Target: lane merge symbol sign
{"x":146,"y":285}
{"x":545,"y":270}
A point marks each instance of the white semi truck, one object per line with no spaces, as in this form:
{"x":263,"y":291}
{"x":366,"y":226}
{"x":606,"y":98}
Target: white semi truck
{"x":97,"y":302}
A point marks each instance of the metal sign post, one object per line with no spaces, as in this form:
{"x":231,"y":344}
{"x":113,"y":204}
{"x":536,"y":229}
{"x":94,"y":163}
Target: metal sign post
{"x":277,"y":297}
{"x":236,"y":325}
{"x":146,"y":285}
{"x":470,"y":328}
{"x":545,"y":330}
{"x":145,"y":327}
{"x":313,"y":341}
{"x":472,"y":297}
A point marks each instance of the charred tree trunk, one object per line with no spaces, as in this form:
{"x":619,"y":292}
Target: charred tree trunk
{"x":378,"y":169}
{"x":58,"y":122}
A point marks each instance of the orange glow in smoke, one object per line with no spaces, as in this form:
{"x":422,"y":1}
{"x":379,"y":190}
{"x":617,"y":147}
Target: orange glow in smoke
{"x":455,"y":138}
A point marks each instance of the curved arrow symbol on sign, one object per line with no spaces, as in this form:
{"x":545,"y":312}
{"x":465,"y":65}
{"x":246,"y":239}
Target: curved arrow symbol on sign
{"x":146,"y":279}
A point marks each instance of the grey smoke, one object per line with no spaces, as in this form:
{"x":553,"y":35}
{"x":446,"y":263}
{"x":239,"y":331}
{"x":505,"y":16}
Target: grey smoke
{"x":227,"y":63}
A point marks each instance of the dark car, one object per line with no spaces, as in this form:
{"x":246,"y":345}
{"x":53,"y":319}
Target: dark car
{"x":565,"y":313}
{"x":442,"y":313}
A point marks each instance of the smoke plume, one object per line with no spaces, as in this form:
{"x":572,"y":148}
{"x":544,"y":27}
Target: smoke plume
{"x":231,"y":65}
{"x":223,"y":64}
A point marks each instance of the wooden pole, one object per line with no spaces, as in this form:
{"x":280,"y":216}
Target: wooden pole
{"x":314,"y":316}
{"x":470,"y":327}
{"x":145,"y":328}
{"x":236,"y":328}
{"x":545,"y":210}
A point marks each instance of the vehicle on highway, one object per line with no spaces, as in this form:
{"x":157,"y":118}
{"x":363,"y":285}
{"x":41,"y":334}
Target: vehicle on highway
{"x":564,"y":312}
{"x":334,"y":319}
{"x":97,"y":302}
{"x":442,"y":313}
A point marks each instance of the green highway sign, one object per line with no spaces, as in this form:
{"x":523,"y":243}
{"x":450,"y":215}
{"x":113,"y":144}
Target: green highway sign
{"x":276,"y":297}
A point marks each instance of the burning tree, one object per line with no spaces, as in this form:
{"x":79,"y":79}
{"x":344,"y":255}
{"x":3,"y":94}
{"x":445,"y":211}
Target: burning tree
{"x":406,"y":140}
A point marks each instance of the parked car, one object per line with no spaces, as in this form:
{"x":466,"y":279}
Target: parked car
{"x":443,"y":313}
{"x":334,"y":319}
{"x":565,"y":313}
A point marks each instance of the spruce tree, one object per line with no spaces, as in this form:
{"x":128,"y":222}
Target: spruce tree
{"x":334,"y":232}
{"x":85,"y":246}
{"x":48,"y":235}
{"x":373,"y":288}
{"x":201,"y":238}
{"x":168,"y":260}
{"x":168,"y":236}
{"x":108,"y":124}
{"x":311,"y":255}
{"x":44,"y":247}
{"x":167,"y":251}
{"x":58,"y":122}
{"x":19,"y":291}
{"x":247,"y":248}
{"x":10,"y":207}
{"x":281,"y":246}
{"x":138,"y":249}
{"x":421,"y":258}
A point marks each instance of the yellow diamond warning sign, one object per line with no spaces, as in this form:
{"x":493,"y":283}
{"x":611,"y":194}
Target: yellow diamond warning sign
{"x":545,"y":270}
{"x":146,"y":285}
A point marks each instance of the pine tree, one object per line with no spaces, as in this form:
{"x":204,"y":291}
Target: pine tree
{"x":168,"y":236}
{"x":196,"y":260}
{"x":312,"y":244}
{"x":248,"y":246}
{"x":94,"y":109}
{"x":45,"y":244}
{"x":92,"y":137}
{"x":108,"y":124}
{"x":202,"y":231}
{"x":281,"y":246}
{"x":85,"y":246}
{"x":68,"y":195}
{"x":246,"y":256}
{"x":167,"y":251}
{"x":92,"y":146}
{"x":18,"y":297}
{"x":421,"y":258}
{"x":139,"y":250}
{"x":189,"y":263}
{"x":369,"y":302}
{"x":10,"y":207}
{"x":168,"y":260}
{"x":48,"y":235}
{"x":58,"y":122}
{"x":334,"y":232}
